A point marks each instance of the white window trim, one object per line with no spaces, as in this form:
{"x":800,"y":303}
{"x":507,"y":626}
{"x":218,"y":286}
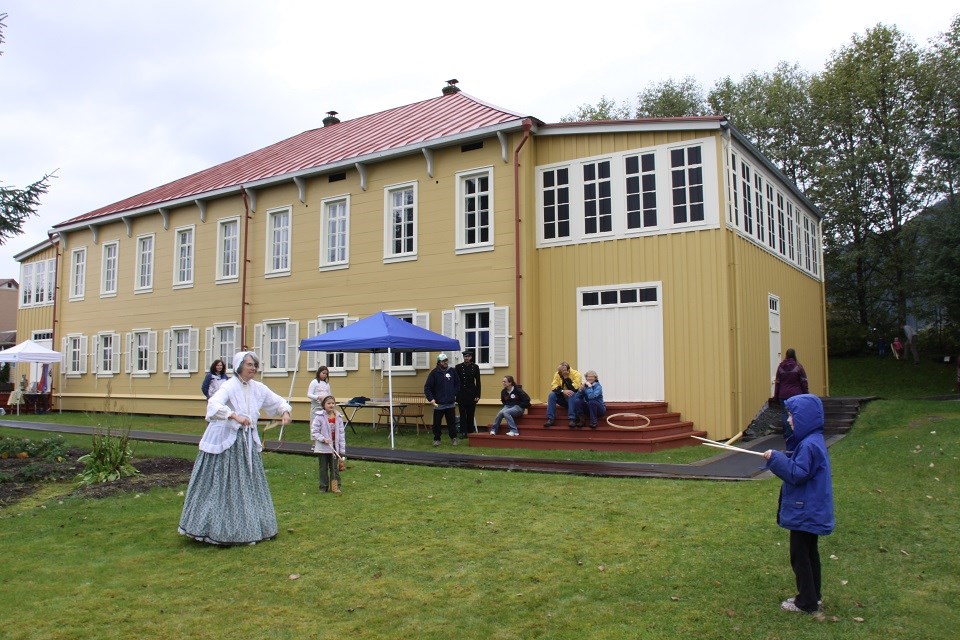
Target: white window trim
{"x":291,"y":343}
{"x":268,"y":270}
{"x":388,"y":256}
{"x":177,"y":283}
{"x":212,"y":344}
{"x":219,"y":278}
{"x":326,"y":265}
{"x":74,"y":296}
{"x":452,"y":327}
{"x":28,"y":283}
{"x":131,"y":355}
{"x":170,"y":351}
{"x":114,"y":358}
{"x":460,"y":245}
{"x":137,"y":287}
{"x":104,"y":291}
{"x":420,"y":359}
{"x":67,"y":349}
{"x":316,"y":358}
{"x":618,"y":196}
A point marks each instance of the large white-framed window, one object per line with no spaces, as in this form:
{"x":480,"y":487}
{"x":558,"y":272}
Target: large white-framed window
{"x":338,"y":362}
{"x":555,"y":207}
{"x":107,"y":358}
{"x":143,"y":278}
{"x":228,"y":250}
{"x":405,"y":363}
{"x":641,"y":186}
{"x":221,"y":342}
{"x":335,"y":233}
{"x":276,"y":342}
{"x":74,"y":349}
{"x":771,"y":218}
{"x":759,"y":207}
{"x":481,"y":328}
{"x":108,"y":269}
{"x":183,"y":252}
{"x":278,"y":242}
{"x":37,"y":284}
{"x":474,"y":210}
{"x":400,"y":222}
{"x":141,"y":352}
{"x":686,"y":176}
{"x":597,"y":198}
{"x":78,"y":273}
{"x":181,"y":351}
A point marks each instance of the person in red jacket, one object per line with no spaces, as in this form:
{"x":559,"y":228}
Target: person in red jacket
{"x":791,"y":380}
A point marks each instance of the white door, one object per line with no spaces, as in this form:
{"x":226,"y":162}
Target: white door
{"x":620,"y":336}
{"x":773,"y":305}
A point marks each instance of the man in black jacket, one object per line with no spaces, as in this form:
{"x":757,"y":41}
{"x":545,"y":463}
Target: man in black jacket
{"x":468,"y":396}
{"x":441,"y":391}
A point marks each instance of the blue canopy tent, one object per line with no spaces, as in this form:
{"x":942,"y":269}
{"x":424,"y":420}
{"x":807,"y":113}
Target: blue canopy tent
{"x":381,"y":333}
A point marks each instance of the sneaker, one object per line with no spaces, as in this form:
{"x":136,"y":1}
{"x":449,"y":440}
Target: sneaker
{"x":492,"y":432}
{"x":573,"y":424}
{"x":513,"y":433}
{"x":454,"y":442}
{"x":549,"y":422}
{"x":789,"y":605}
{"x":794,"y":599}
{"x":593,"y":425}
{"x":436,"y":443}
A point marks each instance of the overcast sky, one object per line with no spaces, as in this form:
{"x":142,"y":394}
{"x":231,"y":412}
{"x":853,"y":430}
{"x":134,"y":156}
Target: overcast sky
{"x":122,"y":96}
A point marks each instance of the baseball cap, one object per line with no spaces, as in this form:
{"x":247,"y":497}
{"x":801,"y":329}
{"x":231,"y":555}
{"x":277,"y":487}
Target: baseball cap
{"x":441,"y":357}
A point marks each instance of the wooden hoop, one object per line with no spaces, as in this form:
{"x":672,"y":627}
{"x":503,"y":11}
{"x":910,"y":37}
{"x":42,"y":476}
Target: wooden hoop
{"x":628,"y":415}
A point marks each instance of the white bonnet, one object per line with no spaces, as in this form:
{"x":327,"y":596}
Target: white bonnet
{"x":238,"y":359}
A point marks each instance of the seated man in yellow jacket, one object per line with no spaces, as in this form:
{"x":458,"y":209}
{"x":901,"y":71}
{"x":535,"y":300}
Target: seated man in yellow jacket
{"x":565,"y":383}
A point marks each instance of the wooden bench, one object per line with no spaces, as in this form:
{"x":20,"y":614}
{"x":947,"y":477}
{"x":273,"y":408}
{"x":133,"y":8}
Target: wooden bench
{"x":410,"y":416}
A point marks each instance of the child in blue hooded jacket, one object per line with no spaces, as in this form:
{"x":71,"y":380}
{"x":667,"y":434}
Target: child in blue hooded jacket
{"x":806,"y":497}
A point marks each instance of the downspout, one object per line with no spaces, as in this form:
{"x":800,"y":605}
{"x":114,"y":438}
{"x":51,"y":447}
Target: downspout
{"x":53,"y":327}
{"x":527,"y":126}
{"x":243,"y":291}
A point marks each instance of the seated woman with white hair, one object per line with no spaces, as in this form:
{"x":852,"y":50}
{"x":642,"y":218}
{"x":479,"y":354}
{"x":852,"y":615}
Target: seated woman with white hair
{"x":228,"y":500}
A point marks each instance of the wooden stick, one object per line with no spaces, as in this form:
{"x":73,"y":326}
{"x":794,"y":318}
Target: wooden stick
{"x":725,"y":447}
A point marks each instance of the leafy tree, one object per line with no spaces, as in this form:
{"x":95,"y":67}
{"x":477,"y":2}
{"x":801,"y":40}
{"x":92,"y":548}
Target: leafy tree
{"x":672,"y":98}
{"x":16,"y":205}
{"x":605,"y":109}
{"x":942,"y":89}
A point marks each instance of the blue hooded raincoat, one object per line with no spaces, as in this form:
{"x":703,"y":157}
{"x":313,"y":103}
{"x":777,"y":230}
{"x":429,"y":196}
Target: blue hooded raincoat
{"x":806,"y":497}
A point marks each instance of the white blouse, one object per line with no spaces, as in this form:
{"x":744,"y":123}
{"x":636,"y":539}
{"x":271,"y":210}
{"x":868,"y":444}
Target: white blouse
{"x":243,"y":399}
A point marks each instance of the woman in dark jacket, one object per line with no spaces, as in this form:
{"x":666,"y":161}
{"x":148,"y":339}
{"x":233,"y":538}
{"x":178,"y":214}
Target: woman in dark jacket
{"x":806,"y":497}
{"x":214,"y":378}
{"x":791,"y":380}
{"x":515,"y":401}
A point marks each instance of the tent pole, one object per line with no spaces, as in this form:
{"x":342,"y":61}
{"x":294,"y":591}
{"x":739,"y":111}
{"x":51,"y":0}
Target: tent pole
{"x":390,"y":390}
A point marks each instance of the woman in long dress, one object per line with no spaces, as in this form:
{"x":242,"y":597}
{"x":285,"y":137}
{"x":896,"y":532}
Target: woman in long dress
{"x":228,"y":500}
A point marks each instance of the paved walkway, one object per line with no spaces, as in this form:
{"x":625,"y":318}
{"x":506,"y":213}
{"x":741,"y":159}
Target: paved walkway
{"x":726,"y":466}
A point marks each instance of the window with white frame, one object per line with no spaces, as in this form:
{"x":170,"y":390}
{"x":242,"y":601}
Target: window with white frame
{"x":555,"y":192}
{"x":759,"y":208}
{"x":733,"y":183}
{"x":221,"y":343}
{"x":482,"y":329}
{"x":228,"y":250}
{"x":78,"y":273}
{"x":747,"y":201}
{"x":400,"y":224}
{"x":37,"y":284}
{"x":183,"y":257}
{"x":641,"y":186}
{"x":337,"y":362}
{"x":181,"y":346}
{"x":276,"y":342}
{"x":335,"y":232}
{"x":107,"y":362}
{"x":74,"y":355}
{"x":144,"y":274}
{"x":781,"y":229}
{"x":597,"y":198}
{"x":278,"y":242}
{"x":686,"y":174}
{"x":771,"y":219}
{"x":790,"y":232}
{"x":474,"y":209}
{"x":141,"y":352}
{"x":108,"y":271}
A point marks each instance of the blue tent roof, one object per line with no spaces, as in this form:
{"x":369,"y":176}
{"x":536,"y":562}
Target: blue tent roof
{"x":380,"y":332}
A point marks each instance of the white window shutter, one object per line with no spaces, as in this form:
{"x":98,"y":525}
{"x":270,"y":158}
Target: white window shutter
{"x":351,"y":361}
{"x":448,"y":326}
{"x":312,"y":359}
{"x":152,"y":351}
{"x":128,"y":341}
{"x":293,"y":346}
{"x":97,"y":347}
{"x":421,"y":359}
{"x":115,"y":360}
{"x":64,"y":354}
{"x":166,"y":351}
{"x":194,"y":350}
{"x":209,"y":346}
{"x":258,"y":341}
{"x":84,"y":342}
{"x":501,"y":336}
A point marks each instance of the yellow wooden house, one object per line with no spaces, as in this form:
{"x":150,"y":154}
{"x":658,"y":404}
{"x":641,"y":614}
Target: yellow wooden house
{"x":666,"y":254}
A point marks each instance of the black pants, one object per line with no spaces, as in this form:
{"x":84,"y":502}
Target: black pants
{"x":451,"y":415}
{"x":329,"y":469}
{"x":805,"y":560}
{"x":468,"y":410}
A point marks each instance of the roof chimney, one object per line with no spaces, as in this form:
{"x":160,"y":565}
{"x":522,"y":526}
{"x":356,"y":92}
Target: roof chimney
{"x":451,"y":87}
{"x":331,"y":119}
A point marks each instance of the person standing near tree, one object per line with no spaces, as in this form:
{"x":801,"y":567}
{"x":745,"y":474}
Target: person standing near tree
{"x":791,"y":380}
{"x":441,"y":391}
{"x":468,"y":374}
{"x":910,"y":335}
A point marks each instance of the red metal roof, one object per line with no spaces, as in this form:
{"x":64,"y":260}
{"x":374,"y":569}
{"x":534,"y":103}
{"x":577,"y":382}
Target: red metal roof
{"x":393,"y":129}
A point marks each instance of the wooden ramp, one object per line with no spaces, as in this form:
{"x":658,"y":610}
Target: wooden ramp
{"x":666,"y":431}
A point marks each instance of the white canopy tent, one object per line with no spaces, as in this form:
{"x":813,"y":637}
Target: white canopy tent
{"x":29,"y":351}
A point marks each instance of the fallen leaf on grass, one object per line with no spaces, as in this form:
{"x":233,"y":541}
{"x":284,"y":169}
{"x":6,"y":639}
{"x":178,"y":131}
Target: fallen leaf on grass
{"x":294,"y":576}
{"x":675,"y":598}
{"x":731,"y":613}
{"x":883,"y":549}
{"x":601,"y":568}
{"x":833,"y":557}
{"x":903,"y":551}
{"x":858,"y":619}
{"x":843,"y":582}
{"x":833,"y":619}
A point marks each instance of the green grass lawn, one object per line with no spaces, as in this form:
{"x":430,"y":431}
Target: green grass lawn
{"x":420,"y":552}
